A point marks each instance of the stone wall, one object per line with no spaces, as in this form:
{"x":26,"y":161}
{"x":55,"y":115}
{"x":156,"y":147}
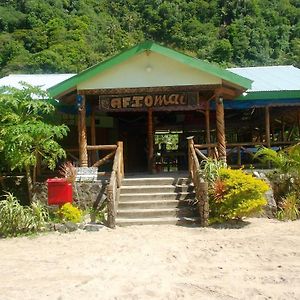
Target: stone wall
{"x":85,"y":194}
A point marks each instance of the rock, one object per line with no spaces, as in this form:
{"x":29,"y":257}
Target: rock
{"x":71,"y":226}
{"x":271,"y":207}
{"x":93,"y":227}
{"x":60,"y":228}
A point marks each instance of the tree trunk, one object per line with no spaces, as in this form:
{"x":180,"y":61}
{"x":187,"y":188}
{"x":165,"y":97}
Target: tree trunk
{"x":29,"y":183}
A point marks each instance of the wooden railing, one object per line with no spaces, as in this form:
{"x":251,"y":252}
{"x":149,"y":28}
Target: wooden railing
{"x":116,"y":176}
{"x":237,"y":148}
{"x":113,"y":188}
{"x":201,"y":187}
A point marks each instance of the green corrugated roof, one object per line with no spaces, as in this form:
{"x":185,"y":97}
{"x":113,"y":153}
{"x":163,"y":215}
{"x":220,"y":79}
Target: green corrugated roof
{"x":72,"y":82}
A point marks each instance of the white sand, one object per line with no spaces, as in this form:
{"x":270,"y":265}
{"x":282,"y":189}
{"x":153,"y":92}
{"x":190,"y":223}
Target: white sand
{"x":258,"y":261}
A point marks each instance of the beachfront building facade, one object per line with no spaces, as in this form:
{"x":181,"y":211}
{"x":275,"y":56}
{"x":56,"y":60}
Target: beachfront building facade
{"x":153,"y":98}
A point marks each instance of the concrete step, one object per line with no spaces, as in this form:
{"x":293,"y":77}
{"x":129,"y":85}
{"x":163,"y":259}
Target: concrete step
{"x":157,"y":221}
{"x":155,"y":212}
{"x":130,"y":189}
{"x":157,"y":196}
{"x":154,"y":204}
{"x":155,"y":181}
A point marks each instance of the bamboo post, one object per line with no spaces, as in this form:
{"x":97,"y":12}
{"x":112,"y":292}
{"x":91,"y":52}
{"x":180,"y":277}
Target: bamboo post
{"x":93,"y":134}
{"x":83,"y":156}
{"x":207,"y":127}
{"x":111,"y":218}
{"x":221,"y":138}
{"x":203,"y":204}
{"x":267,"y":127}
{"x":150,"y":140}
{"x":119,"y":170}
{"x":190,"y":144}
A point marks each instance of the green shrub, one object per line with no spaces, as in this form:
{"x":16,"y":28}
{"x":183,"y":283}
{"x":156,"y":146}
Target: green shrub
{"x":16,"y":219}
{"x":236,"y":194}
{"x":210,"y":168}
{"x":289,"y":208}
{"x":70,"y":213}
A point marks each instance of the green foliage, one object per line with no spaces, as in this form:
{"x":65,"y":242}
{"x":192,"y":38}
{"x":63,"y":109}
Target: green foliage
{"x":16,"y":219}
{"x":25,"y":131}
{"x":287,"y":164}
{"x":289,"y":208}
{"x":210,"y":168}
{"x":68,"y":36}
{"x":70,"y":213}
{"x":236,"y":195}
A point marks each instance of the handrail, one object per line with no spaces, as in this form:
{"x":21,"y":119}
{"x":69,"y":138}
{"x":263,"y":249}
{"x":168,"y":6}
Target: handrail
{"x":113,"y":188}
{"x":238,"y":147}
{"x":201,"y":187}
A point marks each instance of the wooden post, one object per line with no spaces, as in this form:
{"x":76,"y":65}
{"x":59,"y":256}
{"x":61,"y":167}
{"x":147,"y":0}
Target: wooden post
{"x":207,"y":126}
{"x":267,"y":127}
{"x":203,"y":204}
{"x":111,"y":214}
{"x":221,"y":138}
{"x":83,"y":156}
{"x":190,"y":144}
{"x":150,"y":140}
{"x":93,"y":135}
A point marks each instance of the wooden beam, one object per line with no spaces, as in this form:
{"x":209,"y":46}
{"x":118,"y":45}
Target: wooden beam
{"x":145,"y":90}
{"x":83,"y":156}
{"x":227,"y":92}
{"x":93,"y":134}
{"x":267,"y":127}
{"x":221,"y":138}
{"x":207,"y":127}
{"x":104,"y":159}
{"x":101,"y":147}
{"x":150,"y":140}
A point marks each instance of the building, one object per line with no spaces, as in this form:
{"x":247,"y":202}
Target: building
{"x":150,"y":95}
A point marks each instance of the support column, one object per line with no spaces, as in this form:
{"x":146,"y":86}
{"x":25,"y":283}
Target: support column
{"x":267,"y":127}
{"x":150,"y":140}
{"x":83,"y":156}
{"x":221,"y":138}
{"x":207,"y":127}
{"x":93,"y":135}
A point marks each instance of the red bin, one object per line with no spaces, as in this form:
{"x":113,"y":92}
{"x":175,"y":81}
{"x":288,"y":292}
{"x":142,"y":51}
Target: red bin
{"x":59,"y":191}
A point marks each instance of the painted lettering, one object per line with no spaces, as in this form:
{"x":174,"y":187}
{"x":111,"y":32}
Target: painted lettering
{"x":148,"y":101}
{"x":137,"y":101}
{"x":159,"y":100}
{"x":126,"y":102}
{"x":116,"y":103}
{"x":182,"y":100}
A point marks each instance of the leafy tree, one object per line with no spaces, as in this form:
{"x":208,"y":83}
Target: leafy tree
{"x":25,"y":132}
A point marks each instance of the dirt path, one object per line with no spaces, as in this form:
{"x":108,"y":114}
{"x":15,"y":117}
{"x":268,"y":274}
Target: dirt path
{"x":258,"y":261}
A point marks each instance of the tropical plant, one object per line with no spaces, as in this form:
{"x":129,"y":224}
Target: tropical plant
{"x":17,"y":219}
{"x":68,"y":171}
{"x":289,"y":208}
{"x":210,"y":168}
{"x":287,"y":164}
{"x":70,"y":213}
{"x":25,"y":132}
{"x":236,"y":195}
{"x":286,"y":160}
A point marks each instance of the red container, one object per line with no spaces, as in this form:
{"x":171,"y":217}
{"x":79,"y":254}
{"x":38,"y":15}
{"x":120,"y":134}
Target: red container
{"x":59,"y":191}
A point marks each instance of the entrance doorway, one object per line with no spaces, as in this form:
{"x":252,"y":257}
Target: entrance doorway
{"x":132,"y":131}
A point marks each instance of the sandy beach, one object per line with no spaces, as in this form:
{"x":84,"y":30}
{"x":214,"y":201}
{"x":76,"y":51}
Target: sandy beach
{"x":260,"y":260}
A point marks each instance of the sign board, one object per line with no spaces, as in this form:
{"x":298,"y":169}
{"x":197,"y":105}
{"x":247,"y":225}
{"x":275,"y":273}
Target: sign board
{"x":86,"y":173}
{"x":164,"y":101}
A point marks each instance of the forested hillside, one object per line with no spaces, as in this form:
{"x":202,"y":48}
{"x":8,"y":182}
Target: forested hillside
{"x":70,"y":35}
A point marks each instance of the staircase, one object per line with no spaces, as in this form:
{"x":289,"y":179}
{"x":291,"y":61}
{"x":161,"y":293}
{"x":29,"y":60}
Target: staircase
{"x":156,"y":200}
